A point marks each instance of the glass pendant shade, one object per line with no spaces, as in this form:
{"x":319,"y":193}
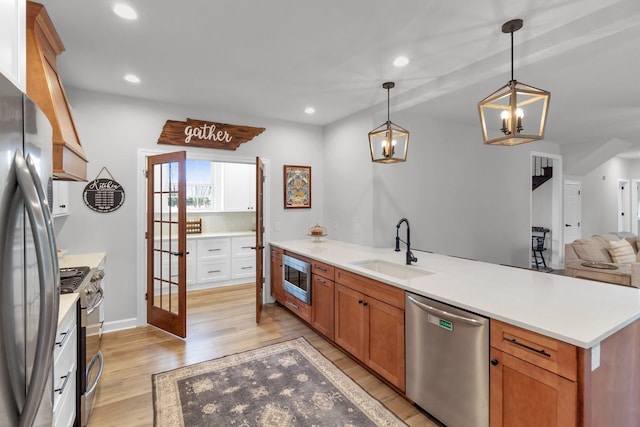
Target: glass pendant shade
{"x":516,"y":113}
{"x":388,"y":142}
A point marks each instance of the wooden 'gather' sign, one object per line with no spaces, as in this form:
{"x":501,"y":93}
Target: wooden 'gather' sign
{"x":200,"y":133}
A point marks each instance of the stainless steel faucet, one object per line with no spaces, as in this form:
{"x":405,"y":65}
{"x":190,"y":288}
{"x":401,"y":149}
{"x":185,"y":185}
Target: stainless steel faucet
{"x":410,"y":256}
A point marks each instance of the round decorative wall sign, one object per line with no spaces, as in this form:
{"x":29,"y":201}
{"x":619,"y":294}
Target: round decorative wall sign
{"x":103,"y":195}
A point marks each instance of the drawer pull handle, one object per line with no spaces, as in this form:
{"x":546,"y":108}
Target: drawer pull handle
{"x":248,"y":247}
{"x":64,"y":335}
{"x":246,"y":268}
{"x":319,"y":280}
{"x":214,"y":271}
{"x":64,"y":384}
{"x":514,"y":341}
{"x":214,"y":250}
{"x":293,"y":305}
{"x":494,"y":362}
{"x":321,"y":268}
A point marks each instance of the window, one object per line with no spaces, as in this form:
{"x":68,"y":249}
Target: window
{"x":200,"y":185}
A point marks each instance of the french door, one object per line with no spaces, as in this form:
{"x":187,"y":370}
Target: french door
{"x":259,"y":236}
{"x":167,"y":243}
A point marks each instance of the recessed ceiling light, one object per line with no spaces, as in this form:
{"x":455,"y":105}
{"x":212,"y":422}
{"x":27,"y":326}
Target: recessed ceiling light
{"x":125,"y":11}
{"x":309,"y":110}
{"x":132,"y":78}
{"x":401,"y":61}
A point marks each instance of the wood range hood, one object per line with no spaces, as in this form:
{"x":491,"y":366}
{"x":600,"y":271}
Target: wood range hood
{"x":45,"y":89}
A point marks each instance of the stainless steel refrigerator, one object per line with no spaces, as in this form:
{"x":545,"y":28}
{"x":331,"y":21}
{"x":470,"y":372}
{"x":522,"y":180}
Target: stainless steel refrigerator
{"x":29,"y":287}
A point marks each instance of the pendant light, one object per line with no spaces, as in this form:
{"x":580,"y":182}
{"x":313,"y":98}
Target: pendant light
{"x":388,"y":142}
{"x":516,"y":113}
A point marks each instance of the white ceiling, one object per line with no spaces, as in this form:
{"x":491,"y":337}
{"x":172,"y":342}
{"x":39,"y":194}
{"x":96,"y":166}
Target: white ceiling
{"x":274,"y":58}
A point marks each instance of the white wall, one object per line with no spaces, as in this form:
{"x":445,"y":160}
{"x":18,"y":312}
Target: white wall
{"x":600,"y":197}
{"x":461,"y":197}
{"x":348,"y":209}
{"x":112,"y":130}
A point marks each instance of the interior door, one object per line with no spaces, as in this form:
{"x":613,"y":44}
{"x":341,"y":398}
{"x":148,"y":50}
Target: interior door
{"x":259,"y":236}
{"x":572,"y":209}
{"x":167,"y":243}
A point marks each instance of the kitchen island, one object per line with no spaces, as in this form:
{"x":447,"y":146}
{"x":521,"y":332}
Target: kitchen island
{"x":591,"y":330}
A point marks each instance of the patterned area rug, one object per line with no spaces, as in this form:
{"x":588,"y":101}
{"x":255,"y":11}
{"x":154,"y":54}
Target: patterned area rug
{"x":285,"y":384}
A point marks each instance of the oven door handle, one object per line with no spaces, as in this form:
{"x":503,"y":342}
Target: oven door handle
{"x":92,"y":387}
{"x":97,"y":304}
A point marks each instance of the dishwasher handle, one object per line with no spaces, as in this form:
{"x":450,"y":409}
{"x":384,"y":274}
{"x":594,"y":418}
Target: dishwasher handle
{"x":445,"y":314}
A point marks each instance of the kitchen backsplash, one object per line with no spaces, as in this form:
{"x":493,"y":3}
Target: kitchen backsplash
{"x":226,"y":221}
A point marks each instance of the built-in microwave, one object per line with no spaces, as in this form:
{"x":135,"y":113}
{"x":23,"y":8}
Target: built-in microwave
{"x":296,"y":278}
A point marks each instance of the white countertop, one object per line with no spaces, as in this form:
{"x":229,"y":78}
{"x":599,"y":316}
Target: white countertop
{"x":78,"y":260}
{"x":576,"y":311}
{"x":67,"y":302}
{"x":221,"y":234}
{"x":195,"y":236}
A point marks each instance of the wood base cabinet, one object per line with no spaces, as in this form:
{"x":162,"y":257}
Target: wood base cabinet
{"x":277,"y":290}
{"x":322,"y":298}
{"x":533,"y":379}
{"x":369,"y":328}
{"x":523,"y":394}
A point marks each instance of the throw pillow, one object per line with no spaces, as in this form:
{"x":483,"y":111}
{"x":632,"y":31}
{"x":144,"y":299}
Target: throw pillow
{"x":595,"y":250}
{"x":621,"y":252}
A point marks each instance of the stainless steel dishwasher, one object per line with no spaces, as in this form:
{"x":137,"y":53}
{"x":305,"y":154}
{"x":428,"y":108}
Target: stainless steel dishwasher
{"x":447,"y":361}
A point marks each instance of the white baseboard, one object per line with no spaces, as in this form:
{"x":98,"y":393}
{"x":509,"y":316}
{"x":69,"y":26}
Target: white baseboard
{"x":120,"y":325}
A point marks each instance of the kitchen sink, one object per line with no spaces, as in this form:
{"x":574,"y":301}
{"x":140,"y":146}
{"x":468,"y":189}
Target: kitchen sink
{"x":398,"y":271}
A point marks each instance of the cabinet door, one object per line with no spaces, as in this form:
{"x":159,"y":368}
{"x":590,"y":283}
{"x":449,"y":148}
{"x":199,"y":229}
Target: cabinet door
{"x":322,"y":305}
{"x":277,"y":290}
{"x":350,"y":320}
{"x":13,"y":42}
{"x":523,"y":394}
{"x":239,"y":188}
{"x":60,"y":199}
{"x":384,"y":341}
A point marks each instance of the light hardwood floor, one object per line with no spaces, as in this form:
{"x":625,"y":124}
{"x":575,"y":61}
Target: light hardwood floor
{"x":221,"y":321}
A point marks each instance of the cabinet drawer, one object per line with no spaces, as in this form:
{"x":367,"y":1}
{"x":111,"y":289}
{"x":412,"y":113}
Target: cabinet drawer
{"x":214,"y":248}
{"x":65,"y":334}
{"x":170,"y":270}
{"x":64,"y":415}
{"x":276,"y":252}
{"x":211,"y":271}
{"x":243,"y":267}
{"x":64,"y":367}
{"x":242,"y":246}
{"x":298,"y":307}
{"x":373,"y":288}
{"x":548,"y":353}
{"x":322,"y":269}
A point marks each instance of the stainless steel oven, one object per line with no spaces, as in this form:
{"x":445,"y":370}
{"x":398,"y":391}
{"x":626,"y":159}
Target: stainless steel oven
{"x":296,"y":278}
{"x":87,"y":283}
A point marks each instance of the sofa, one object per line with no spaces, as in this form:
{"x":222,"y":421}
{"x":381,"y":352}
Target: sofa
{"x":611,"y":258}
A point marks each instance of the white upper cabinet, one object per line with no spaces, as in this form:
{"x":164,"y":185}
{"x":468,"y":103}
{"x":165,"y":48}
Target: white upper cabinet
{"x":60,"y":202}
{"x":13,"y":45}
{"x":239,"y":187}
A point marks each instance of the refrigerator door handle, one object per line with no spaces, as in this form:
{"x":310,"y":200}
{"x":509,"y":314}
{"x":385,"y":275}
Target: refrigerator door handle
{"x":29,"y":184}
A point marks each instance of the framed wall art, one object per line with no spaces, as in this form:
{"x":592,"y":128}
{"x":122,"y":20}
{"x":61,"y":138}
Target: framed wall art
{"x":297,"y":187}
